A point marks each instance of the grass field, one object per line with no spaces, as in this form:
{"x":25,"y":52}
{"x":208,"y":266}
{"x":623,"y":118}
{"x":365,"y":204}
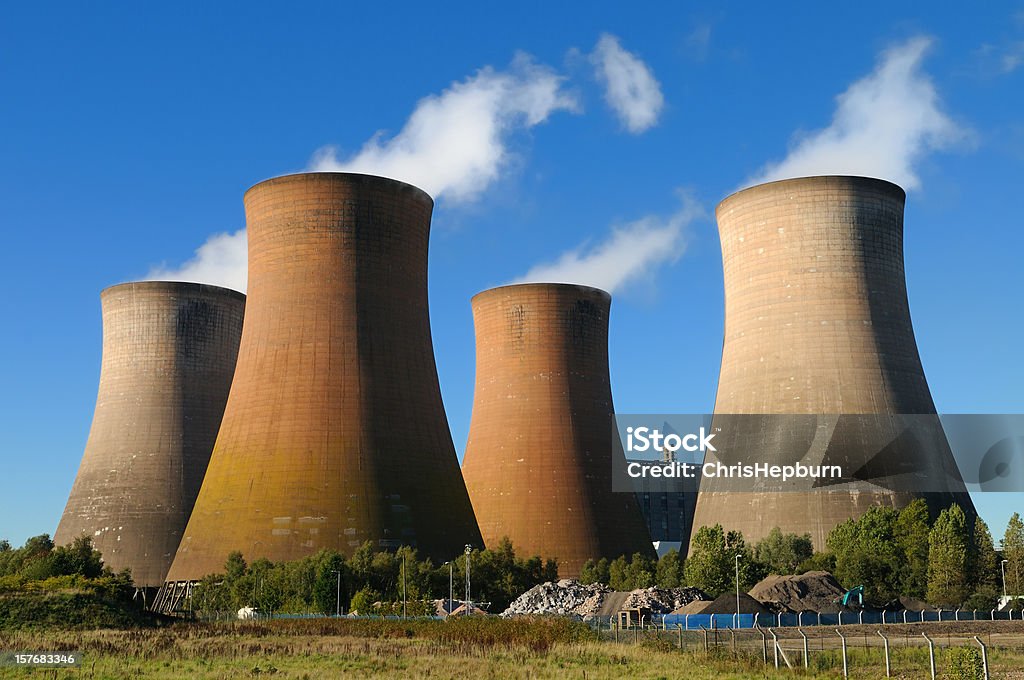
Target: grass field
{"x":476,"y":648}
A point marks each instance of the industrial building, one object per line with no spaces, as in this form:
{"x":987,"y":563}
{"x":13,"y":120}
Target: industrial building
{"x":334,"y":432}
{"x":169,"y":352}
{"x":817,"y":323}
{"x":539,"y":457}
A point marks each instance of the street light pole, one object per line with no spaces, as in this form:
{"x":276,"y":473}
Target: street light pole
{"x":451,"y":586}
{"x":737,"y":590}
{"x":469,"y":604}
{"x":337,"y":603}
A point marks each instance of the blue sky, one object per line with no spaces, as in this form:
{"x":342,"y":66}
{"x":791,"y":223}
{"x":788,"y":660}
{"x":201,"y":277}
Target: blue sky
{"x":592,"y":142}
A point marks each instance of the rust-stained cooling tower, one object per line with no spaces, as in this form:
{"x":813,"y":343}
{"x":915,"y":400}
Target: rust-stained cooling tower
{"x":817,"y":322}
{"x":169,"y":353}
{"x":334,"y":432}
{"x":538,"y":463}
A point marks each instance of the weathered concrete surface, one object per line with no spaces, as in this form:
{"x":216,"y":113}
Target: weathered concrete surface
{"x":538,"y":462}
{"x":817,"y":321}
{"x":334,"y":433}
{"x":169,"y":354}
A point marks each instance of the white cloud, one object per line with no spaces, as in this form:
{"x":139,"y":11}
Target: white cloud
{"x":883,"y":125}
{"x":631,"y":89}
{"x":456,"y":144}
{"x":221,"y":261}
{"x":631,"y":253}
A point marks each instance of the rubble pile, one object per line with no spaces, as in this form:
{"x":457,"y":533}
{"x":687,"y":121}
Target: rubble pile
{"x":566,"y":596}
{"x":569,"y":597}
{"x":663,"y":600}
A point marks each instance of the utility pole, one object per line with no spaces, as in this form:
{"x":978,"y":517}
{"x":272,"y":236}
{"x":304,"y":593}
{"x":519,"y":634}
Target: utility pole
{"x":469,"y":604}
{"x":403,"y":586}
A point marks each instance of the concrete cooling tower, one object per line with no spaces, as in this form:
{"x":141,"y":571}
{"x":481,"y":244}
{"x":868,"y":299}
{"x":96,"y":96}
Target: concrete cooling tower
{"x":817,"y":323}
{"x":334,"y":432}
{"x":538,"y":463}
{"x":169,"y":353}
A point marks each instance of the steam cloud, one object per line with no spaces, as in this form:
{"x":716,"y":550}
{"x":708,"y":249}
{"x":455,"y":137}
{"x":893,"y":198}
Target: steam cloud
{"x":882,"y":126}
{"x":631,"y":89}
{"x":632,"y":252}
{"x":454,"y":145}
{"x":221,"y":261}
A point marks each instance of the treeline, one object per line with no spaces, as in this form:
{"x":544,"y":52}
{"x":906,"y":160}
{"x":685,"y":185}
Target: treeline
{"x":369,"y":582}
{"x":949,"y":562}
{"x":40,"y":566}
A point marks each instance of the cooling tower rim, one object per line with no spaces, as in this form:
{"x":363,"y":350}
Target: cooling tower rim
{"x":539,"y":285}
{"x":360,"y":176}
{"x":179,"y":287}
{"x":838,"y":180}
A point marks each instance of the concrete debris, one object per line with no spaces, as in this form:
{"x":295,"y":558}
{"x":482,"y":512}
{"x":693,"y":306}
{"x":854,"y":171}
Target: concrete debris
{"x":569,"y":597}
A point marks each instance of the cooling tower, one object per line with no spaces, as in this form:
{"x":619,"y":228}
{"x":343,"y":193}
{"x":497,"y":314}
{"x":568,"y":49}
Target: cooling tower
{"x":334,"y":432}
{"x":538,"y":462}
{"x":817,"y":322}
{"x":169,"y":353}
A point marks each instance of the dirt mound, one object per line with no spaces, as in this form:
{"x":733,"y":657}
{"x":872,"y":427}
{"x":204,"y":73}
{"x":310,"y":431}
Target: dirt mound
{"x":725,"y":604}
{"x":815,"y":591}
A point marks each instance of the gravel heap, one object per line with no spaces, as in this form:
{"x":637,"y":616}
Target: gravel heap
{"x":569,"y":597}
{"x":815,"y":591}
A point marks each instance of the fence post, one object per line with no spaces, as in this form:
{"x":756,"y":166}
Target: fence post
{"x":984,"y":656}
{"x":775,"y":645}
{"x":764,"y":644}
{"x":956,"y":614}
{"x":888,"y":668}
{"x":680,"y":629}
{"x":705,"y":631}
{"x":801,"y":631}
{"x":931,"y":653}
{"x":799,"y":618}
{"x":993,"y":615}
{"x":732,"y":635}
{"x":846,"y":671}
{"x":922,"y":616}
{"x":860,"y":617}
{"x":840,"y":617}
{"x":686,"y":621}
{"x":940,"y":614}
{"x":883,"y":617}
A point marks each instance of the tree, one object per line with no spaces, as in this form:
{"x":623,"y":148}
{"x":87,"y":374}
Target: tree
{"x":669,"y":573}
{"x":595,"y":571}
{"x":911,"y":532}
{"x":984,"y":562}
{"x":783,"y":553}
{"x":866,"y":553}
{"x":365,"y":601}
{"x":1013,"y":553}
{"x":948,"y":554}
{"x":711,"y":563}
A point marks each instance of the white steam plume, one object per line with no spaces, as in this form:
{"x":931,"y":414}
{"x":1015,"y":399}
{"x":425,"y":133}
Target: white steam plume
{"x":632,"y":252}
{"x":221,"y":261}
{"x":631,"y":89}
{"x":883,"y":124}
{"x":454,"y":145}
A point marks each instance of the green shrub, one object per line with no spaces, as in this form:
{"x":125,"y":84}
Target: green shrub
{"x":965,"y":664}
